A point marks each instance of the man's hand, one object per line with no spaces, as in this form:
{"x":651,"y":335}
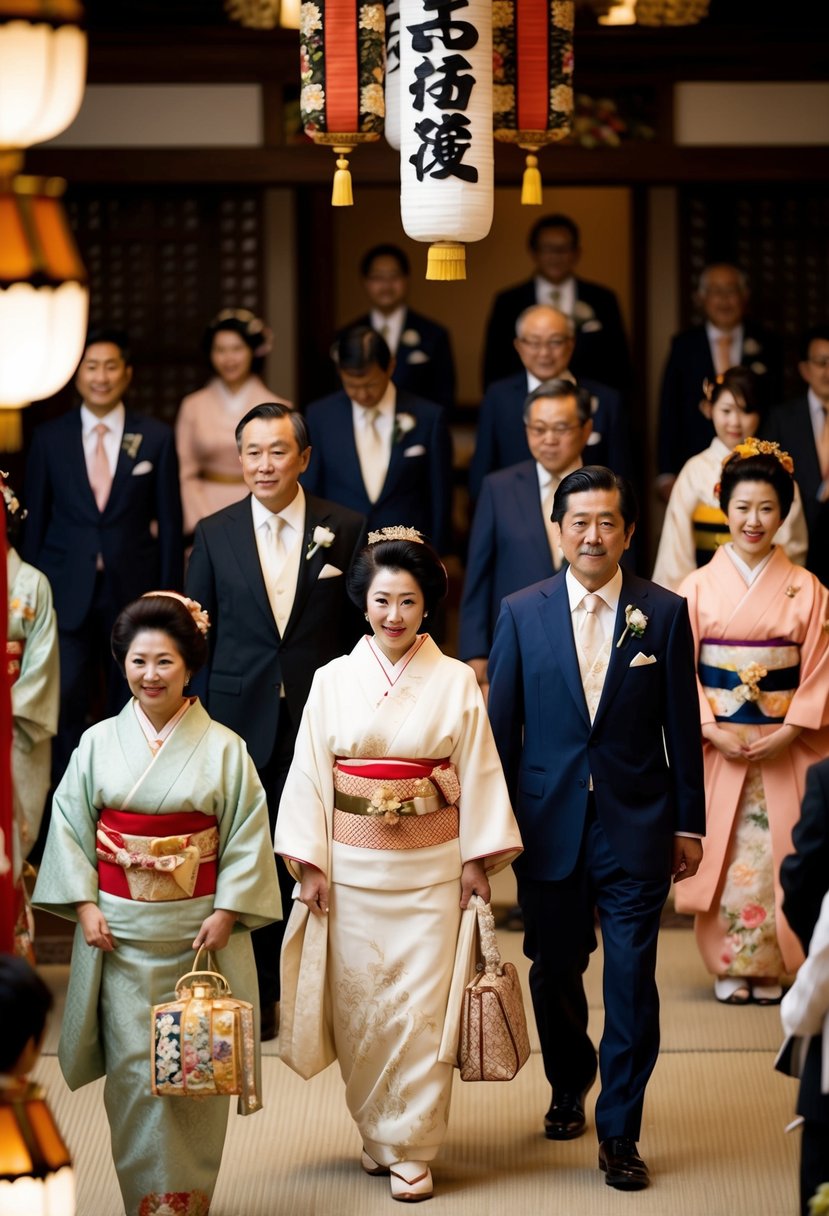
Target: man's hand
{"x":313,"y":890}
{"x":687,"y":857}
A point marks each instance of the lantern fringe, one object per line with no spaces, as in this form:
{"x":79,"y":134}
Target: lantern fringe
{"x":11,"y":430}
{"x":341,"y":192}
{"x":446,"y":260}
{"x":531,"y":185}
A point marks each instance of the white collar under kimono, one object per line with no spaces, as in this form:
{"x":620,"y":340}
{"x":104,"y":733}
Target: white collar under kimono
{"x":750,"y":574}
{"x":156,"y":738}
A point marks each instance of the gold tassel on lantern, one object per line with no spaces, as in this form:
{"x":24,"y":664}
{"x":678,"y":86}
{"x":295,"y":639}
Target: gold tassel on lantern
{"x":341,"y":195}
{"x":531,"y":185}
{"x":446,"y":261}
{"x":11,"y":430}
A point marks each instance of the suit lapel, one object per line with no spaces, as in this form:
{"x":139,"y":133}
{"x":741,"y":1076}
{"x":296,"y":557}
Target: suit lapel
{"x":621,"y":655}
{"x":554,"y":611}
{"x":125,"y":464}
{"x":805,"y":453}
{"x":242,"y":541}
{"x":344,"y":441}
{"x":397,"y":445}
{"x":309,"y":567}
{"x":530,"y":515}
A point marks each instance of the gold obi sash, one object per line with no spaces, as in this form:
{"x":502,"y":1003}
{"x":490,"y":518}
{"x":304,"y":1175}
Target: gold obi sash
{"x":180,"y":864}
{"x":710,"y":529}
{"x":14,"y":657}
{"x":749,"y":682}
{"x":394,"y":803}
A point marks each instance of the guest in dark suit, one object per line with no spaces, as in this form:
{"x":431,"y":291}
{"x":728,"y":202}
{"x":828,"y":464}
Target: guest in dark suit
{"x":104,"y":526}
{"x":725,"y":339}
{"x":601,"y":348}
{"x":270,"y":570}
{"x":804,"y":877}
{"x":514,"y":541}
{"x":421,"y":348}
{"x":593,"y":705}
{"x":801,"y":427}
{"x":544,"y":341}
{"x":382,"y":452}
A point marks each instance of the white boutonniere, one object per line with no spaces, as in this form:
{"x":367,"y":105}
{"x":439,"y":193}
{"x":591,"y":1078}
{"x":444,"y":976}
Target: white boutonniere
{"x":751,"y":347}
{"x":582,"y":312}
{"x":131,"y":443}
{"x":322,"y":538}
{"x":410,"y":337}
{"x":635,"y":624}
{"x":759,"y":369}
{"x":403,"y":423}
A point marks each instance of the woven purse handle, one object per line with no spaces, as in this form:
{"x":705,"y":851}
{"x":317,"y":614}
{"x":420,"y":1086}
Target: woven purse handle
{"x":198,"y":972}
{"x":489,"y":942}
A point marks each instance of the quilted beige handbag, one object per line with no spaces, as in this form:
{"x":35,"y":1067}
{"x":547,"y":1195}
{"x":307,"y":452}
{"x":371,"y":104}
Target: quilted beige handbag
{"x":494,"y":1043}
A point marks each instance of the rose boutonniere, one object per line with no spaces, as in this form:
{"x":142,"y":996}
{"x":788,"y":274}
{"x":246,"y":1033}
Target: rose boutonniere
{"x":322,"y":538}
{"x":131,"y":443}
{"x":751,"y":347}
{"x":635,"y":624}
{"x":410,"y":337}
{"x":403,"y":423}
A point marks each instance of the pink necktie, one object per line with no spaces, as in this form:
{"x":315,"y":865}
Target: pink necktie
{"x":100,"y":477}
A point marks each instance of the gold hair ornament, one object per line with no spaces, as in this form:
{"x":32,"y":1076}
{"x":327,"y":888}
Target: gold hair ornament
{"x":200,"y":618}
{"x":397,"y":532}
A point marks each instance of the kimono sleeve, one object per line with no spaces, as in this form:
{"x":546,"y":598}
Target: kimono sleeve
{"x":690,"y":589}
{"x":246,"y":880}
{"x":68,"y":874}
{"x":303,"y":824}
{"x":36,"y":691}
{"x":676,"y":557}
{"x":809,"y":708}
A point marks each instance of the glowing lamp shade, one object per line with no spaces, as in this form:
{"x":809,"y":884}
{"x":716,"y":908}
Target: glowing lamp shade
{"x":36,"y":1177}
{"x":289,"y":14}
{"x":42,"y":70}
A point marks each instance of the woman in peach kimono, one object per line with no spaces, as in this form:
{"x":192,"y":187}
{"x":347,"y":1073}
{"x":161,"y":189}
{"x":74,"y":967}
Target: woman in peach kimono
{"x":236,"y":343}
{"x":760,"y":627}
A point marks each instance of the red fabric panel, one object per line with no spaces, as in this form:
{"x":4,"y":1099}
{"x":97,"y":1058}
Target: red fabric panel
{"x":532,"y":37}
{"x":112,"y":878}
{"x":393,"y":770}
{"x":342,"y":67}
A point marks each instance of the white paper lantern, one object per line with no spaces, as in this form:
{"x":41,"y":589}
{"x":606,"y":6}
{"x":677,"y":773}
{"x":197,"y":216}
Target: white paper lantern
{"x":446,"y":150}
{"x":393,"y":73}
{"x":42,"y":78}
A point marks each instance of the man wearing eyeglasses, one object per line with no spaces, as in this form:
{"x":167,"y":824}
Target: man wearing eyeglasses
{"x":801,"y":427}
{"x":544,"y":341}
{"x":514,"y":542}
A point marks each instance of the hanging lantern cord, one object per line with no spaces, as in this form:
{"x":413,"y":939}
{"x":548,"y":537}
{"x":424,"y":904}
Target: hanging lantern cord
{"x":531,"y":185}
{"x":341,"y":194}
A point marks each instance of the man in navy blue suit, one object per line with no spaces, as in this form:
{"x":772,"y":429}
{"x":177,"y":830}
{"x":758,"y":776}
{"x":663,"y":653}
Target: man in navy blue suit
{"x":594,"y":707}
{"x":544,"y":341}
{"x":601,"y":349}
{"x":103,"y":524}
{"x":513,"y":541}
{"x":380,"y":451}
{"x":421,"y":347}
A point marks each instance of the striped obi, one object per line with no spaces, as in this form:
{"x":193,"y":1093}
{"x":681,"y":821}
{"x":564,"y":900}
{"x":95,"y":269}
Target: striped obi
{"x":749,"y":682}
{"x":395,"y":804}
{"x":14,"y":657}
{"x":178,"y":862}
{"x":710,"y":528}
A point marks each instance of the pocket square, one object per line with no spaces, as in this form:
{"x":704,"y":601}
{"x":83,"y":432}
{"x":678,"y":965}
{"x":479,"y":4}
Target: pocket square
{"x":143,"y":466}
{"x":418,"y":356}
{"x":642,"y":660}
{"x":329,"y":571}
{"x":591,"y":327}
{"x":416,"y":450}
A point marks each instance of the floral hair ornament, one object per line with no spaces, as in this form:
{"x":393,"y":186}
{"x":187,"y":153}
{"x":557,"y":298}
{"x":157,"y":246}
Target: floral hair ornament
{"x":254,"y":327}
{"x":708,"y":386}
{"x":10,"y":498}
{"x":397,"y":532}
{"x":200,"y":618}
{"x":761,"y":447}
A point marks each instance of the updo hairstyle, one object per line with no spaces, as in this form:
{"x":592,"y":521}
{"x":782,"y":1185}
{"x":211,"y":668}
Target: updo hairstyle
{"x":251,"y":329}
{"x":166,"y":614}
{"x":758,"y":467}
{"x":741,"y":382}
{"x":417,"y":558}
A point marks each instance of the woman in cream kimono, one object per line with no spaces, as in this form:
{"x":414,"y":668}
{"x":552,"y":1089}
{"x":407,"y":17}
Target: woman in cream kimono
{"x":236,"y":343}
{"x":158,"y":845}
{"x":760,"y":626}
{"x":394,"y":812}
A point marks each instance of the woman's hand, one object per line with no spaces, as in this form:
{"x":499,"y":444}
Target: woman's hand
{"x":313,"y":890}
{"x":474,"y":882}
{"x":94,"y":927}
{"x":215,"y":930}
{"x":726,"y":742}
{"x":771,"y":745}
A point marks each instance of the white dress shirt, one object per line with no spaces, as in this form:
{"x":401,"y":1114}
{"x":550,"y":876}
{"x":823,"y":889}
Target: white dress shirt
{"x":390,"y":325}
{"x":280,"y":585}
{"x":114,"y":423}
{"x":736,"y":352}
{"x":544,"y":292}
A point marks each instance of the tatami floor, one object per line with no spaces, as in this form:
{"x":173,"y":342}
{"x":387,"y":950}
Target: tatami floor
{"x":713,"y":1134}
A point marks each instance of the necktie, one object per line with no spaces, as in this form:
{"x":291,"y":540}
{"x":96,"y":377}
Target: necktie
{"x":372,"y":455}
{"x":555,"y":297}
{"x":590,"y":634}
{"x":823,"y":446}
{"x":100,"y":477}
{"x":552,"y":530}
{"x":273,"y":558}
{"x":723,"y":353}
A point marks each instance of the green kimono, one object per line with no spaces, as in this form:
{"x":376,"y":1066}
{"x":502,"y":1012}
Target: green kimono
{"x":167,"y":1150}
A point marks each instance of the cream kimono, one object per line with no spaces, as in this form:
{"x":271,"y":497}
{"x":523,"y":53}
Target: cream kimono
{"x":763,"y":660}
{"x":394,"y":911}
{"x":695,"y":526}
{"x":167,"y":1150}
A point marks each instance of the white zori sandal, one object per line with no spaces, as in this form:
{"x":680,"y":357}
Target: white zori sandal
{"x":371,"y":1166}
{"x":411,"y":1181}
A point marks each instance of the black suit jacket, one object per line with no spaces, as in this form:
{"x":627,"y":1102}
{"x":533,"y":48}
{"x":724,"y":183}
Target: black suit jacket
{"x":424,"y":364}
{"x":683,"y":429}
{"x":790,"y":425}
{"x":249,"y":660}
{"x":601,"y":350}
{"x":65,"y":531}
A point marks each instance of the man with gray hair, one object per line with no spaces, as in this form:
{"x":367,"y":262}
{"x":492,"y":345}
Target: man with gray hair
{"x":544,"y":340}
{"x":724,"y":339}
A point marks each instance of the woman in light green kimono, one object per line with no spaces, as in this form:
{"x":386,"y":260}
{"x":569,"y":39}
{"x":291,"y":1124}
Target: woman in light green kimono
{"x":160,"y":780}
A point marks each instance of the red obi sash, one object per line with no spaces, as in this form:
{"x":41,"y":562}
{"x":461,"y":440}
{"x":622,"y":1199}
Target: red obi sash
{"x":113,"y":826}
{"x":391,"y":769}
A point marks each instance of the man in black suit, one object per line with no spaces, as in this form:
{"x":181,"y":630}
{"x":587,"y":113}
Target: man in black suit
{"x":601,"y":349}
{"x":801,"y":427}
{"x":380,"y":451}
{"x":270,"y":570}
{"x":421,"y":348}
{"x":104,"y":525}
{"x":544,"y":343}
{"x":725,"y":339}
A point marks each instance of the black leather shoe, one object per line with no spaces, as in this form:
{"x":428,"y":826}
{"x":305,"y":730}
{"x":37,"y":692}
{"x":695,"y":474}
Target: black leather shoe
{"x":269,"y":1021}
{"x":565,"y":1119}
{"x":622,"y":1165}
